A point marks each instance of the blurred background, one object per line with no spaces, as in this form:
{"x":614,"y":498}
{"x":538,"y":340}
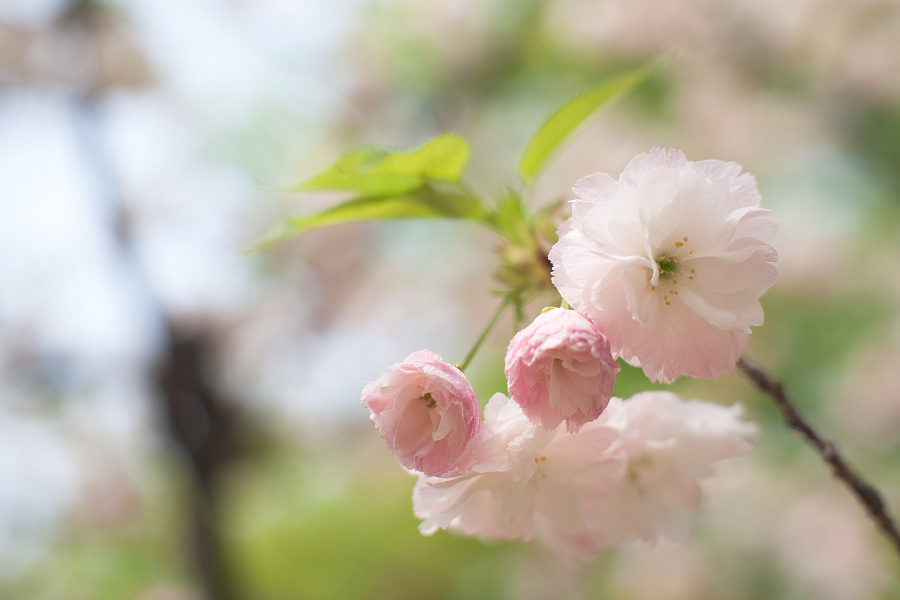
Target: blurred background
{"x":180,"y":421}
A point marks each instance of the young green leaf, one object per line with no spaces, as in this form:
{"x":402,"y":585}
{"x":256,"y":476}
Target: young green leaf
{"x":561,"y":124}
{"x":379,"y":173}
{"x":424,"y":203}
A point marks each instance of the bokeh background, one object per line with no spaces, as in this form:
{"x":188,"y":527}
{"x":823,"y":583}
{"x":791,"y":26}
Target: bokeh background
{"x":180,"y":421}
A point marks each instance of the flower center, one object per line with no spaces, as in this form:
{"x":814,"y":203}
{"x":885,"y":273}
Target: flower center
{"x":666,"y":266}
{"x":637,"y":472}
{"x":429,"y":400}
{"x":669,"y":270}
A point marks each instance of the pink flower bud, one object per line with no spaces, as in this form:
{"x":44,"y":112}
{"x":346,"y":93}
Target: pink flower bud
{"x":560,"y":368}
{"x":426,"y":411}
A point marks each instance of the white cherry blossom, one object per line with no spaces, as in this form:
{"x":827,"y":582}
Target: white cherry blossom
{"x":523,"y":480}
{"x":669,"y":262}
{"x":669,"y":446}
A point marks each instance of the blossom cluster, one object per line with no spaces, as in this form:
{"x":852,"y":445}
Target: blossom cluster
{"x":632,"y":474}
{"x":663,"y":269}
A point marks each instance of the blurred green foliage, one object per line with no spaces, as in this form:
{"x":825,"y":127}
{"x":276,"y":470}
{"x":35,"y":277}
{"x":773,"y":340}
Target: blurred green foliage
{"x":356,"y":538}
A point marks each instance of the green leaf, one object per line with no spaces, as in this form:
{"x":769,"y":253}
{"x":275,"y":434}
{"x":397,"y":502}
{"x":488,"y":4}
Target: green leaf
{"x":561,"y":124}
{"x":424,"y":203}
{"x":372,"y":172}
{"x":410,"y":185}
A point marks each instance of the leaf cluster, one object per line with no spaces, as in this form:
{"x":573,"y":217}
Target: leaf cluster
{"x":427,"y":183}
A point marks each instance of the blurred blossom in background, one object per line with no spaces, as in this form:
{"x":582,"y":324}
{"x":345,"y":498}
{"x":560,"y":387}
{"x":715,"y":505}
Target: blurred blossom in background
{"x":181,"y":421}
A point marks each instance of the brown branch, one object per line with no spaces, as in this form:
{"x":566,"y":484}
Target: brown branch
{"x":867,"y":495}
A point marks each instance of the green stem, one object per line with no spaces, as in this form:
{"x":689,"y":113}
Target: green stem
{"x":487,"y":330}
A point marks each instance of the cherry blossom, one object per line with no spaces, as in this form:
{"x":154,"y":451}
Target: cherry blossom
{"x":669,"y":446}
{"x":426,"y":411}
{"x":523,"y":481}
{"x":560,"y":368}
{"x":669,"y":261}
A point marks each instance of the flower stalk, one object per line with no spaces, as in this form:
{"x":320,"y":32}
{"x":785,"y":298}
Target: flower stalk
{"x":487,"y":330}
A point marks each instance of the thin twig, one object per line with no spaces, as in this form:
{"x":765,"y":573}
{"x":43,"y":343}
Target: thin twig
{"x":867,"y":495}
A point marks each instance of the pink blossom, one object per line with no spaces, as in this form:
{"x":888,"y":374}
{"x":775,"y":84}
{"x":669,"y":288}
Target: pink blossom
{"x":669,"y":445}
{"x":523,"y":480}
{"x":632,"y":474}
{"x":426,"y":411}
{"x":669,"y":262}
{"x":560,"y":368}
